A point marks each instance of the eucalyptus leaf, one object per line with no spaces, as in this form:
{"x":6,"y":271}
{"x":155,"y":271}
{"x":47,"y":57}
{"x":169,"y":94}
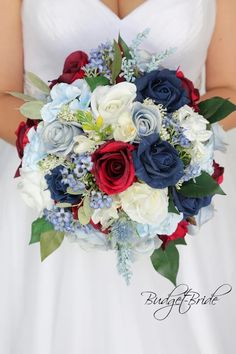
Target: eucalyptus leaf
{"x":216,"y":109}
{"x":86,"y":207}
{"x":94,"y":82}
{"x":39,"y":226}
{"x":116,"y":65}
{"x":72,"y":192}
{"x":32,"y":109}
{"x":166,"y":262}
{"x":82,"y":217}
{"x":63,"y":205}
{"x":38,"y":83}
{"x":201,"y":186}
{"x":21,"y":96}
{"x":49,"y":242}
{"x":124,"y":47}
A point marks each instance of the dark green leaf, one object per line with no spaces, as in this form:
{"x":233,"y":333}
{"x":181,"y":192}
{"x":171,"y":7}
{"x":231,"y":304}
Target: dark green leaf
{"x":94,"y":82}
{"x":180,"y":241}
{"x":116,"y":65}
{"x":49,"y":242}
{"x":124,"y":47}
{"x":172,"y":207}
{"x":39,"y":226}
{"x":166,"y":262}
{"x":202,"y":186}
{"x":216,"y":109}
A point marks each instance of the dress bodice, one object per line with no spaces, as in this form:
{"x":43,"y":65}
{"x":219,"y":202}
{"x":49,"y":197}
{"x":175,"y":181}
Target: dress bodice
{"x":54,"y":28}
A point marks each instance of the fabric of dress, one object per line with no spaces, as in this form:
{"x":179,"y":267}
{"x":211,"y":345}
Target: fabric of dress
{"x":75,"y":302}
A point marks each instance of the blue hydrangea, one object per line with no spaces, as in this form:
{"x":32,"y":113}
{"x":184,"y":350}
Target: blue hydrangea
{"x":100,"y":58}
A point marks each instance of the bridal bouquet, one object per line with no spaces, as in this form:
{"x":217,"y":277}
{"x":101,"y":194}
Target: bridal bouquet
{"x":117,"y":154}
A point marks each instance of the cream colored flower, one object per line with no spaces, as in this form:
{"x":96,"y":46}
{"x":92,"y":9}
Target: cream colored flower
{"x":83,"y":144}
{"x":125,"y":129}
{"x":110,"y":101}
{"x":144,"y":204}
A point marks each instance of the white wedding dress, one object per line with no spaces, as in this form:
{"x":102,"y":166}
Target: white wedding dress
{"x":75,"y":302}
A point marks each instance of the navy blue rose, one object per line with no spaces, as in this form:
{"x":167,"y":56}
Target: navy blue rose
{"x":163,"y":87}
{"x":58,"y":188}
{"x":157,"y":163}
{"x":189,"y":206}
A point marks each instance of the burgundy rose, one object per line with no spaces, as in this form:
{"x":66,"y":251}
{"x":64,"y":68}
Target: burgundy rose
{"x":22,"y":138}
{"x":192,"y":92}
{"x":72,"y":68}
{"x":98,"y":227}
{"x":218,"y":174}
{"x":113,"y":167}
{"x":180,"y":232}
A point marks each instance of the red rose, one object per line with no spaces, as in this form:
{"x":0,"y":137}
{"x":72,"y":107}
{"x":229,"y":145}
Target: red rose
{"x":113,"y":167}
{"x":22,"y":138}
{"x":72,"y":68}
{"x":192,"y":92}
{"x":180,"y":232}
{"x":218,"y":174}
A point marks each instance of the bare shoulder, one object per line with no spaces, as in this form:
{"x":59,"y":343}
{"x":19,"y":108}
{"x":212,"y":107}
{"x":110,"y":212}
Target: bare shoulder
{"x":11,"y":49}
{"x":221,"y":68}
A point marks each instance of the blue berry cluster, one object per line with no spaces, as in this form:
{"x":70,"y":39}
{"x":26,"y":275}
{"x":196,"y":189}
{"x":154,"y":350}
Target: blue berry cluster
{"x":71,"y":176}
{"x":61,"y":219}
{"x":100,"y":201}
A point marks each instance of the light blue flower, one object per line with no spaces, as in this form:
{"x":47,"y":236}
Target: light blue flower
{"x":76,"y":95}
{"x":146,"y":118}
{"x":35,"y":150}
{"x":166,"y":227}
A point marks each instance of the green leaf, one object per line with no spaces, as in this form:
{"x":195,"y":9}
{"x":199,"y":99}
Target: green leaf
{"x":180,"y":241}
{"x":82,"y":217}
{"x":21,"y":96}
{"x":172,"y":208}
{"x":116,"y":65}
{"x":49,"y":242}
{"x":124,"y":47}
{"x":39,"y":226}
{"x":216,"y":109}
{"x":63,"y":205}
{"x":202,"y":186}
{"x":166,"y":262}
{"x":94,"y":82}
{"x":86,"y":207}
{"x":72,"y":192}
{"x":32,"y":109}
{"x":37,"y":82}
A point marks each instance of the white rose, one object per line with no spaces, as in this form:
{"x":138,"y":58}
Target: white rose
{"x":195,"y":125}
{"x":83,"y":144}
{"x":144,"y":204}
{"x":33,"y":189}
{"x":125,"y":129}
{"x":110,"y":101}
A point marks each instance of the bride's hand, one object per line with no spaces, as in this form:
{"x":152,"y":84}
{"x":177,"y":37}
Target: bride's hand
{"x":11,"y":67}
{"x":221,"y":59}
